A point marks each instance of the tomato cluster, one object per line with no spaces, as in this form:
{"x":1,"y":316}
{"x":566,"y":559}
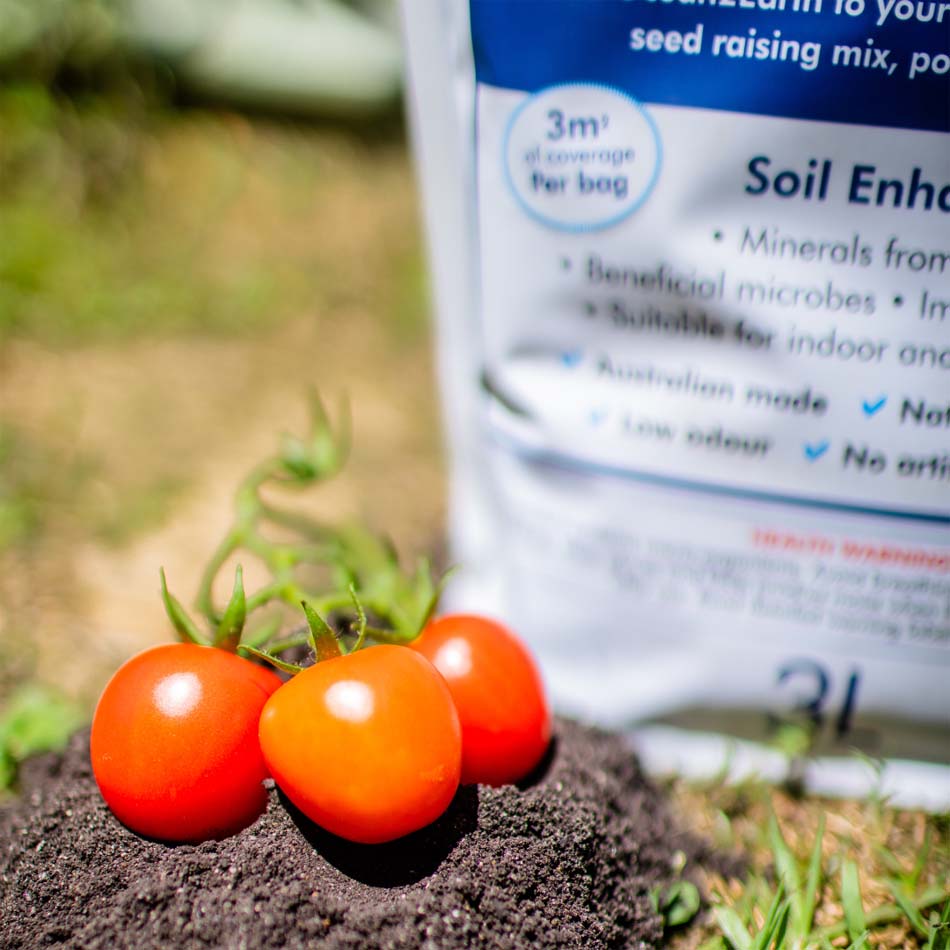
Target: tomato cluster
{"x":370,"y":745}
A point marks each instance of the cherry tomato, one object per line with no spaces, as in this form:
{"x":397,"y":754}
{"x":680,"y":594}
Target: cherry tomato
{"x":174,"y":742}
{"x":367,"y":745}
{"x":499,"y":694}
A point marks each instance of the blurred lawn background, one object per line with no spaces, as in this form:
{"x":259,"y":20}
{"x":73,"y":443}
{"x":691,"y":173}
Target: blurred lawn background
{"x":174,"y":274}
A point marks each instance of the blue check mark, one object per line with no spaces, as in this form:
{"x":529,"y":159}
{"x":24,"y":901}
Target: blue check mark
{"x":597,"y":416}
{"x":815,"y":450}
{"x":873,"y":408}
{"x":571,"y":358}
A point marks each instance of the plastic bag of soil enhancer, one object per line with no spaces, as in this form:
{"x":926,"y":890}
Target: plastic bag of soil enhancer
{"x":692,"y":267}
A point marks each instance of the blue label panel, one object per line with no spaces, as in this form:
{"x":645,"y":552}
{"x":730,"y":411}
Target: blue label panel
{"x":876,"y":62}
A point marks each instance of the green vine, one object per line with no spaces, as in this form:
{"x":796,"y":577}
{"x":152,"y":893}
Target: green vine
{"x":363,"y":570}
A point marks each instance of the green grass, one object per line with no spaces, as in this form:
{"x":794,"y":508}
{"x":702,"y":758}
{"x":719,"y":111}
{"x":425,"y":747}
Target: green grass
{"x":123,"y":219}
{"x":783,"y":915}
{"x":94,"y":250}
{"x":35,"y":719}
{"x":827,"y":874}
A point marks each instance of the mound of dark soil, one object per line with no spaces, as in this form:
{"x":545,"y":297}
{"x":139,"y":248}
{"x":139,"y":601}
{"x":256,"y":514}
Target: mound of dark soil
{"x":567,"y":861}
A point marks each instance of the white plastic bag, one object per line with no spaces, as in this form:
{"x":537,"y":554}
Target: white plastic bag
{"x":692,"y":271}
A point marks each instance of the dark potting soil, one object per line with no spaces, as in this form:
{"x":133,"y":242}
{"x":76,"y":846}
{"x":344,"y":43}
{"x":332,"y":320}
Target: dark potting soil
{"x":567,"y":861}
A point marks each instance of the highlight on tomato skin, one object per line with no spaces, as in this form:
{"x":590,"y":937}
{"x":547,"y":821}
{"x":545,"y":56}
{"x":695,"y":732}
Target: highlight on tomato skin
{"x":498,"y":691}
{"x":367,"y":745}
{"x":174,"y":744}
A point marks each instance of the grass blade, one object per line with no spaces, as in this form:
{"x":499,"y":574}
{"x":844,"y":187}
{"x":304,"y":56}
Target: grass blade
{"x":906,"y":904}
{"x":938,"y":937}
{"x":775,"y":920}
{"x":786,"y":867}
{"x":813,"y":883}
{"x":921,"y":861}
{"x":887,"y":913}
{"x":785,"y":862}
{"x":781,"y":926}
{"x":851,"y":902}
{"x":733,"y":929}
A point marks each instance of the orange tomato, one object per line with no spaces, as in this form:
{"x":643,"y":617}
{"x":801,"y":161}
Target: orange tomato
{"x":366,"y":745}
{"x":499,"y":694}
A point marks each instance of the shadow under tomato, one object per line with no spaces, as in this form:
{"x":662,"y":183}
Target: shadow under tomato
{"x":404,"y":861}
{"x":540,"y":772}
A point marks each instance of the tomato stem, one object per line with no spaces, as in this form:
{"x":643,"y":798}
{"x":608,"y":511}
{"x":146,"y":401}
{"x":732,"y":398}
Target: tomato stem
{"x":283,"y":665}
{"x":264,"y":596}
{"x":184,"y":626}
{"x":322,"y":638}
{"x":361,"y":621}
{"x":355,"y":566}
{"x":231,"y":627}
{"x":225,"y":549}
{"x":297,"y":640}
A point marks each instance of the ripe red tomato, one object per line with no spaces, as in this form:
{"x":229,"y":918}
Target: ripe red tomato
{"x":499,"y":694}
{"x":174,"y":742}
{"x":366,"y":745}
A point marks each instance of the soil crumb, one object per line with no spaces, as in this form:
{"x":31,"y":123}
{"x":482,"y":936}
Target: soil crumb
{"x":567,"y":860}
